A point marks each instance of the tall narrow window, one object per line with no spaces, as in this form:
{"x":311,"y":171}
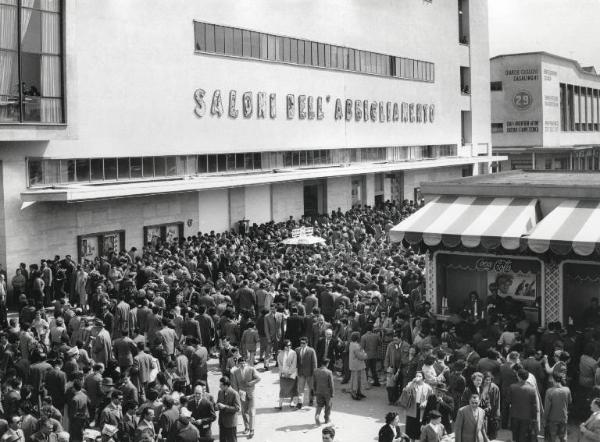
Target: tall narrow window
{"x":30,"y":66}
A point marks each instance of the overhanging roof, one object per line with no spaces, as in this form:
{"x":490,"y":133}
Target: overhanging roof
{"x":89,"y":192}
{"x":472,"y":221}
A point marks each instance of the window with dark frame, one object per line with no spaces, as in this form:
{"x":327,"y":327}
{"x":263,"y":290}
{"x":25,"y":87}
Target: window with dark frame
{"x":31,"y":83}
{"x":210,"y":38}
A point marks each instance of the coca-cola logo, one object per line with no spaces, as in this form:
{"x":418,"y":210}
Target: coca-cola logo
{"x":498,"y":265}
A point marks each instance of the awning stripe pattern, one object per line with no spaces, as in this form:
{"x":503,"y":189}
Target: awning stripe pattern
{"x":573,"y":226}
{"x":472,"y":221}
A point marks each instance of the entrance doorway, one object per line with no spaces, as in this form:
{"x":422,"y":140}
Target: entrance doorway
{"x":314,"y":198}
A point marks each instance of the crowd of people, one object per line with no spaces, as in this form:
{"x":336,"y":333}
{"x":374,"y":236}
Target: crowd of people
{"x":123,"y":354}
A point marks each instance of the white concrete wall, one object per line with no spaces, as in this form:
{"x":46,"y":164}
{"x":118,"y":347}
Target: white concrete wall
{"x":258,"y":204}
{"x":237,"y":205}
{"x":142,"y":93}
{"x":213,"y":210}
{"x":287,"y":200}
{"x":47,"y":229}
{"x":339,"y":194}
{"x":413,"y":179}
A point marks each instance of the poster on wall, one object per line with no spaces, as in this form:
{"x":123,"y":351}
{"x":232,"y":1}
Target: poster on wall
{"x":89,"y":247}
{"x":152,"y":234}
{"x":519,"y":286}
{"x":111,"y":243}
{"x":172,"y":232}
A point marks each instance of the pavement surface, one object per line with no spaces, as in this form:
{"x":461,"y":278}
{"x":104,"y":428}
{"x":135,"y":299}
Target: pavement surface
{"x":352,"y":420}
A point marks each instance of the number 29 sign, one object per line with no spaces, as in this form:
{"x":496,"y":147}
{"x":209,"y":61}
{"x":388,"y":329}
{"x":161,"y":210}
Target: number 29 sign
{"x":522,"y":100}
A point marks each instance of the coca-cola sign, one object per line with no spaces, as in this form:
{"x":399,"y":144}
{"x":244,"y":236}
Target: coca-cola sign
{"x":493,"y":265}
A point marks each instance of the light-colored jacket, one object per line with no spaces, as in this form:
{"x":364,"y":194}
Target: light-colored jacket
{"x":592,"y":429}
{"x":357,"y":357}
{"x":287,"y":361}
{"x":469,"y":427}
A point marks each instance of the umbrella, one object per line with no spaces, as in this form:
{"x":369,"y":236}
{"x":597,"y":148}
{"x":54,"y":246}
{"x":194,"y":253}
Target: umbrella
{"x":304,"y":241}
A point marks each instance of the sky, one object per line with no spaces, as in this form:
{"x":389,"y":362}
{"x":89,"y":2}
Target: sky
{"x":569,"y":28}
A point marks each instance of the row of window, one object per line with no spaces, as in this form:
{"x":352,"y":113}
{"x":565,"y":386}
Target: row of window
{"x":31,"y":84}
{"x":48,"y":172}
{"x":579,"y":108}
{"x":225,"y":40}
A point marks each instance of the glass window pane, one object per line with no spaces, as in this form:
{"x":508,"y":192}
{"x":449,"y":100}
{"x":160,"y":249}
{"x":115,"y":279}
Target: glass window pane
{"x":279,"y":48}
{"x":96,"y":169}
{"x":322,"y":54}
{"x":123,"y":165}
{"x":263,"y":47}
{"x":222,"y":163}
{"x":210,"y":38}
{"x":328,"y":50}
{"x":202,"y":163}
{"x":300,"y":52}
{"x":8,"y":36}
{"x":35,"y":172}
{"x":310,"y":158}
{"x":351,"y":58}
{"x":171,"y":166}
{"x":230,"y":162}
{"x":296,"y":159}
{"x":315,"y":54}
{"x":307,"y":52}
{"x":303,"y":158}
{"x":293,"y":50}
{"x":246,"y":44}
{"x":248,"y":161}
{"x":239,"y":161}
{"x":110,"y":168}
{"x":229,"y":41}
{"x":31,"y":67}
{"x":148,"y":167}
{"x":9,"y":88}
{"x":159,"y":166}
{"x":237,"y":42}
{"x":346,"y":58}
{"x":67,"y":171}
{"x":52,"y":171}
{"x":50,"y":33}
{"x":257,"y":161}
{"x":212,"y":163}
{"x":271,"y":47}
{"x":286,"y":49}
{"x":219,"y":39}
{"x":31,"y":31}
{"x":200,"y":33}
{"x":255,"y":42}
{"x":340,"y":58}
{"x":363,"y":61}
{"x":287,"y":159}
{"x":32,"y":109}
{"x":46,"y":5}
{"x":50,"y":73}
{"x":181,"y":165}
{"x":135,"y":166}
{"x":82,"y":169}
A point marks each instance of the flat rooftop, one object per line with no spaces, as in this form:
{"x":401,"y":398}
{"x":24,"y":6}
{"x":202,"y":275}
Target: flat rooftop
{"x":517,"y":183}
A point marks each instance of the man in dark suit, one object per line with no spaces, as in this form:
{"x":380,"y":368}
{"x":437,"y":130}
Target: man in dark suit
{"x":228,"y":404}
{"x":507,"y":377}
{"x":323,"y":388}
{"x":523,"y":409}
{"x":202,"y":406}
{"x":294,"y":327}
{"x":307,"y":364}
{"x":326,"y":348}
{"x":470,"y":422}
{"x":534,"y":366}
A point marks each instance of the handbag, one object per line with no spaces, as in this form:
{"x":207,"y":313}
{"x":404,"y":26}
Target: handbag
{"x":406,"y":398}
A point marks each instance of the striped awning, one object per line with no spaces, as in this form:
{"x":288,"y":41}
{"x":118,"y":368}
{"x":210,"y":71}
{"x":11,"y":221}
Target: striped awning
{"x":573,"y":226}
{"x":472,"y":221}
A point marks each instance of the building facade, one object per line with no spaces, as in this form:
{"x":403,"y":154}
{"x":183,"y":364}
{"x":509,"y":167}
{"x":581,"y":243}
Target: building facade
{"x":545,"y":112}
{"x":136,"y":120}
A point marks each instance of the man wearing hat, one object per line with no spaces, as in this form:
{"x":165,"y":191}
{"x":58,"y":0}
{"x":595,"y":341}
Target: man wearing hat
{"x":183,"y":430}
{"x":113,"y":413}
{"x":102,"y":346}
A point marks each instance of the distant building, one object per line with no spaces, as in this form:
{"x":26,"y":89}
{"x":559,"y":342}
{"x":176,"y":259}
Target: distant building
{"x":142,"y":120}
{"x":545,"y":112}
